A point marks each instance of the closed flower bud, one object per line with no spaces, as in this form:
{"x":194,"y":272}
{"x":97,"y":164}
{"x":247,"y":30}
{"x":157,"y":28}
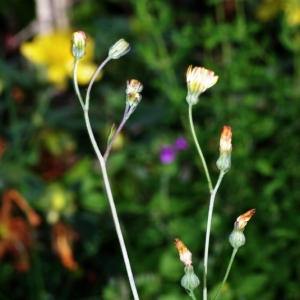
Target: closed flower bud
{"x":224,"y":160}
{"x":119,"y":49}
{"x":78,"y":44}
{"x":237,"y":237}
{"x":190,"y":280}
{"x":133,"y":86}
{"x":198,"y":81}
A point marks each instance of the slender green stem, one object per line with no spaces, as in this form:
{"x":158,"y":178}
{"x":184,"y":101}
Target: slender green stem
{"x":128,"y":111}
{"x":112,"y":205}
{"x":199,"y":149}
{"x":227,"y":273}
{"x":210,"y":211}
{"x":191,"y":294}
{"x":76,"y":83}
{"x":113,"y":139}
{"x":87,"y":98}
{"x":85,"y":108}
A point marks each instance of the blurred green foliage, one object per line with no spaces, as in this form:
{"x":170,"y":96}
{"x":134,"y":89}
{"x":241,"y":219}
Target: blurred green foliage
{"x":47,"y":150}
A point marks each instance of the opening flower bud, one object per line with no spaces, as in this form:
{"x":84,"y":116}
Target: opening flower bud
{"x":237,"y":237}
{"x":224,"y":160}
{"x":198,"y":81}
{"x":184,"y":254}
{"x":119,"y":49}
{"x":78,"y":44}
{"x":133,"y":86}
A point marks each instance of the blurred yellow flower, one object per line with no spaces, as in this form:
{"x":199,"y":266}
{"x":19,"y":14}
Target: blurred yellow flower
{"x":268,"y":9}
{"x":292,"y":12}
{"x":53,"y":51}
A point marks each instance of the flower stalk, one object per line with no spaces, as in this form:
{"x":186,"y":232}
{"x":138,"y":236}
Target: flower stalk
{"x":133,"y":98}
{"x":198,"y":81}
{"x":190,"y":280}
{"x":209,"y":182}
{"x":116,"y":51}
{"x":207,"y":236}
{"x":236,"y":239}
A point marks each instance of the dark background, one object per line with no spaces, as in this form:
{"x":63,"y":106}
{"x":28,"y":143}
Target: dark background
{"x":254,"y":47}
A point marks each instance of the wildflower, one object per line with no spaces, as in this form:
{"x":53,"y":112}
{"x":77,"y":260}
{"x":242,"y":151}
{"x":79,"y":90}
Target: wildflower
{"x":181,"y":143}
{"x":224,"y":160}
{"x":198,"y":81}
{"x":237,"y":237}
{"x":58,"y":202}
{"x":133,"y":86}
{"x":242,"y":220}
{"x":15,"y":232}
{"x":78,"y":44}
{"x":292,"y":12}
{"x":190,"y":280}
{"x":52,"y":52}
{"x":63,"y":238}
{"x":268,"y":9}
{"x":184,"y":254}
{"x":120,"y":48}
{"x":225,"y":140}
{"x":167,"y":154}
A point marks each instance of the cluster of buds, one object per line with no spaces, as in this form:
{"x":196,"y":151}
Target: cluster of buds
{"x":237,"y":237}
{"x":133,"y":96}
{"x":224,"y":160}
{"x":198,"y":81}
{"x":189,"y":281}
{"x":79,"y":43}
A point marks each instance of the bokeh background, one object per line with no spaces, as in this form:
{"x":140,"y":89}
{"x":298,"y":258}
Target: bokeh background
{"x":57,"y":238}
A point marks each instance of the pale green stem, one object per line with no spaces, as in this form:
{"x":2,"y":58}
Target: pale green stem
{"x":210,"y":211}
{"x":105,"y":176}
{"x":128,"y":111}
{"x":199,"y":149}
{"x":87,"y":98}
{"x":227,"y":272}
{"x":76,"y":83}
{"x":112,"y":205}
{"x":113,"y":139}
{"x":191,"y":294}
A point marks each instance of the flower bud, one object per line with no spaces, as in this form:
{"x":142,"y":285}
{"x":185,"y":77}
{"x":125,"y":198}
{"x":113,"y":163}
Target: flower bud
{"x":133,"y":99}
{"x":198,"y":81}
{"x":184,"y":254}
{"x":120,"y":48}
{"x":237,"y":237}
{"x":133,"y":86}
{"x":78,"y":44}
{"x":224,"y":160}
{"x":190,"y":280}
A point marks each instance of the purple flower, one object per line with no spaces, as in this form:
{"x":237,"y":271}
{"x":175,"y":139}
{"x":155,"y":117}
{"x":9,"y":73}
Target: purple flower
{"x":181,"y":143}
{"x":167,"y":154}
